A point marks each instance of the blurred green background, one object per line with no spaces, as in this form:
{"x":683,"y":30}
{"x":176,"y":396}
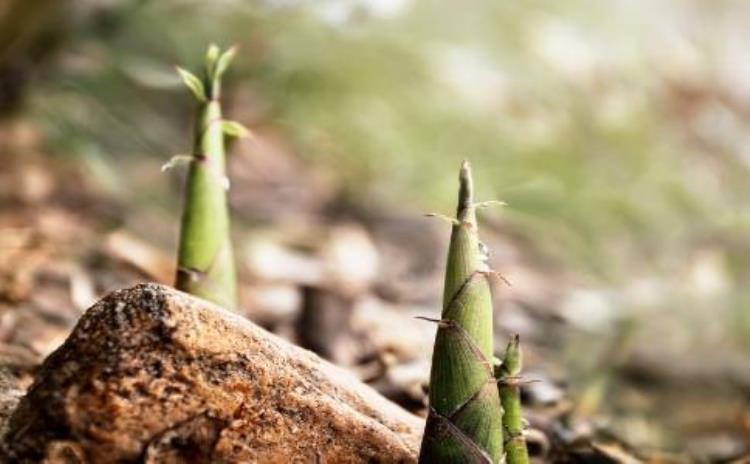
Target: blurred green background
{"x":613,"y":130}
{"x":617,"y":132}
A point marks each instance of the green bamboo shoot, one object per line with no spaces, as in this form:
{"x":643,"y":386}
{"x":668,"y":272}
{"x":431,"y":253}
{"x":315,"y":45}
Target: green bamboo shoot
{"x":465,"y":418}
{"x":510,"y":395}
{"x":205,"y":265}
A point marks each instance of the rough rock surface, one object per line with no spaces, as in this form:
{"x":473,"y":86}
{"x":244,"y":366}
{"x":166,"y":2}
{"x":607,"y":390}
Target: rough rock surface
{"x":153,"y":375}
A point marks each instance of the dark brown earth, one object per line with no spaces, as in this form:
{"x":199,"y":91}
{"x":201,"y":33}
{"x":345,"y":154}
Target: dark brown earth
{"x":150,"y":374}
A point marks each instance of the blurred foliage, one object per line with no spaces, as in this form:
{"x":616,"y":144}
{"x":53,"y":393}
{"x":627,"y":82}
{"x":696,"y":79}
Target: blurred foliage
{"x":25,"y":39}
{"x":616,"y":130}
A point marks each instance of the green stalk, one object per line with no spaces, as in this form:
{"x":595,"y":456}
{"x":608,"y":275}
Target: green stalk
{"x":510,"y":395}
{"x":205,"y":265}
{"x":465,"y":419}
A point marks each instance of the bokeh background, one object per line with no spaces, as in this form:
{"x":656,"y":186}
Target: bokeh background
{"x":617,"y":132}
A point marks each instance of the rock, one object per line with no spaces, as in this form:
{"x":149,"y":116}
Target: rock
{"x":150,"y":374}
{"x":10,"y":395}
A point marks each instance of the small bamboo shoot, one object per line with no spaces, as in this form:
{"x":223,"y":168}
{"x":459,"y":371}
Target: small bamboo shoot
{"x":465,"y":418}
{"x":205,"y":259}
{"x":510,"y":396}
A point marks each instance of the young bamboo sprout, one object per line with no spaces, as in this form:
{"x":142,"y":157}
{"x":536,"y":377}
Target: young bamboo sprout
{"x":510,"y":395}
{"x":465,"y":418}
{"x":205,"y":265}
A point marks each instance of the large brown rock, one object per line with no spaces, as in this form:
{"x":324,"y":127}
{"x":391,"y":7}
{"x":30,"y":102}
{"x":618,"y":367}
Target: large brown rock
{"x":153,"y":375}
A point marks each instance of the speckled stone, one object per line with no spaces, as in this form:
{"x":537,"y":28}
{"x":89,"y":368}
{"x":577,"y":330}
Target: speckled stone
{"x":153,"y":375}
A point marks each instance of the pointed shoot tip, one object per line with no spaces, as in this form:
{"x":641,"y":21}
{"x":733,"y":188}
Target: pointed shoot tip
{"x":465,"y":174}
{"x":514,"y":342}
{"x":466,"y":189}
{"x":512,"y":361}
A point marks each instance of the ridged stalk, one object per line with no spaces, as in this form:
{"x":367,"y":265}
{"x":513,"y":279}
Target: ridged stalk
{"x":510,"y":396}
{"x":465,"y":418}
{"x":205,"y":259}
